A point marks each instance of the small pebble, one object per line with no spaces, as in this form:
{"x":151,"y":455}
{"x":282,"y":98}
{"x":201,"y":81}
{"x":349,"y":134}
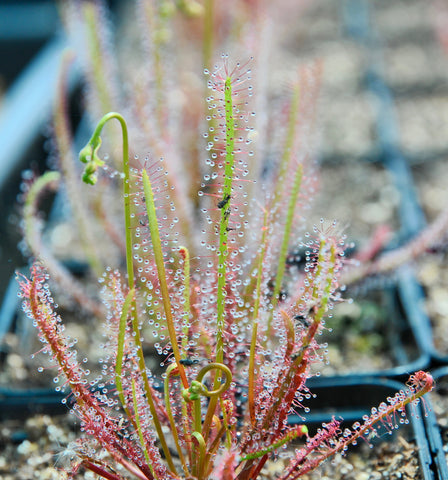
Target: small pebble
{"x":26,"y":447}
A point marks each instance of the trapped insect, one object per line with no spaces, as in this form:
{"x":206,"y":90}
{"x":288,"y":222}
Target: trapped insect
{"x":222,"y":203}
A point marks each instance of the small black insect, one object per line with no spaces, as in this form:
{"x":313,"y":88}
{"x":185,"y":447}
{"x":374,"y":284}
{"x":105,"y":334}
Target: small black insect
{"x":188,"y":362}
{"x":303,"y":320}
{"x":227,"y":214}
{"x":296,"y":355}
{"x":224,"y":201}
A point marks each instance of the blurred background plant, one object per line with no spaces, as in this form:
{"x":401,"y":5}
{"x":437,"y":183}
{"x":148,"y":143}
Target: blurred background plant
{"x":163,"y":99}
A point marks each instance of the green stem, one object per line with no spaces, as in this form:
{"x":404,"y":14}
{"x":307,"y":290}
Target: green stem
{"x":185,"y":330}
{"x":194,"y":392}
{"x":218,"y":388}
{"x":169,"y":371}
{"x":197,"y":416}
{"x":202,"y":449}
{"x":223,"y":249}
{"x":286,"y":238}
{"x":224,"y":222}
{"x":289,"y":144}
{"x":275,"y":204}
{"x":135,"y":419}
{"x":253,"y":343}
{"x":139,"y":427}
{"x":320,"y":298}
{"x":158,"y":255}
{"x":89,"y":156}
{"x":293,"y":196}
{"x":299,"y":431}
{"x":185,"y":333}
{"x":148,"y":392}
{"x":120,"y":348}
{"x":225,"y":421}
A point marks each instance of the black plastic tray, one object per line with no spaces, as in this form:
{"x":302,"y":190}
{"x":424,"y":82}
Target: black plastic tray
{"x":407,"y":336}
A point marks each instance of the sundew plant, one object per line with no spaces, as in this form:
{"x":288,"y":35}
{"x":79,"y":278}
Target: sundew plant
{"x":237,"y":325}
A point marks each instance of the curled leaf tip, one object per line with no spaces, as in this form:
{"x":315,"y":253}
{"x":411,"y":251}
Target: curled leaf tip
{"x":89,"y":176}
{"x":89,"y":156}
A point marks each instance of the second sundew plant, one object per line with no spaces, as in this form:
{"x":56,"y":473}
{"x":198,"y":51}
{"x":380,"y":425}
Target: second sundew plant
{"x":237,"y":329}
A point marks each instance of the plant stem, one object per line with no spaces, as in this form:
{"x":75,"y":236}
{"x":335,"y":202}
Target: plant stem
{"x":294,"y":195}
{"x":120,"y":348}
{"x":253,"y":343}
{"x":139,"y":428}
{"x":224,"y":222}
{"x":171,"y":371}
{"x":289,"y":145}
{"x":291,"y":435}
{"x":185,"y":330}
{"x":223,"y":249}
{"x":202,"y":449}
{"x":158,"y":254}
{"x":193,"y":394}
{"x":297,"y":369}
{"x":321,"y":298}
{"x":89,"y":156}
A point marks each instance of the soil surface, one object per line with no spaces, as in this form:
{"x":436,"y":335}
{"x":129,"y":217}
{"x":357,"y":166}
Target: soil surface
{"x":41,"y":448}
